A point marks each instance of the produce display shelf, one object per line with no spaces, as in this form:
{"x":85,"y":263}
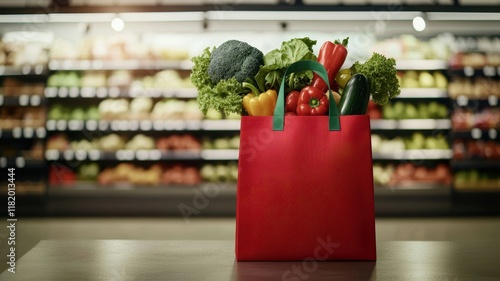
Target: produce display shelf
{"x":115,"y":92}
{"x":25,"y":188}
{"x":93,"y":188}
{"x":142,"y":125}
{"x":465,"y":101}
{"x":132,"y":64}
{"x":74,"y":199}
{"x":423,"y":93}
{"x":418,"y":64}
{"x":413,"y":186}
{"x":410,"y":124}
{"x":483,"y":188}
{"x":22,"y":100}
{"x":414,"y":154}
{"x":121,"y":155}
{"x":21,"y":162}
{"x":23,"y":133}
{"x":487,"y":164}
{"x":140,"y":155}
{"x":220,"y":154}
{"x":38,"y":69}
{"x":476,"y":133}
{"x":485,"y":71}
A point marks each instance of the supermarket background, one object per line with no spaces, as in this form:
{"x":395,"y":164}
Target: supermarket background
{"x":99,"y":118}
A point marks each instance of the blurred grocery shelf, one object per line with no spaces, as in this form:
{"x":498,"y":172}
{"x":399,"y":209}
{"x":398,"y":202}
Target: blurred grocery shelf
{"x":423,"y":93}
{"x":411,"y":124}
{"x":414,"y":154}
{"x":119,"y":64}
{"x":419,"y":64}
{"x":115,"y":92}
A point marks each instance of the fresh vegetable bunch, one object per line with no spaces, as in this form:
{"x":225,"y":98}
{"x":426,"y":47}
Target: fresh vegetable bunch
{"x":238,"y":78}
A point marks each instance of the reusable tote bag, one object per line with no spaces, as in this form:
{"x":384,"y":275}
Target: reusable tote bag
{"x":305,"y":185}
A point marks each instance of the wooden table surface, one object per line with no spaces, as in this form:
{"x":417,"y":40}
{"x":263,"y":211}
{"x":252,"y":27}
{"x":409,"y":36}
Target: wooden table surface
{"x":111,"y":260}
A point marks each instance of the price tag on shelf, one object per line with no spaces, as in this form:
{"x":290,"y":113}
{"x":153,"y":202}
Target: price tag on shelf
{"x":193,"y":125}
{"x":103,"y":125}
{"x":476,"y":133}
{"x":50,"y":92}
{"x":134,"y":92}
{"x":39,"y":69}
{"x":124,"y":155}
{"x":20,"y":162}
{"x":91,"y":125}
{"x":175,"y":125}
{"x":41,"y":132}
{"x":489,"y":71}
{"x":94,"y":155}
{"x":462,"y":100}
{"x":52,"y":154}
{"x":24,"y":100}
{"x":61,"y":125}
{"x":158,"y":125}
{"x":1,"y":99}
{"x":69,"y":155}
{"x":51,"y":125}
{"x":468,"y":71}
{"x":62,"y":92}
{"x":17,"y":132}
{"x":102,"y":92}
{"x":123,"y":125}
{"x":75,"y":125}
{"x":142,"y":155}
{"x":492,"y":134}
{"x":155,"y":154}
{"x":35,"y":100}
{"x":493,"y":100}
{"x":114,"y":92}
{"x":26,"y":69}
{"x":115,"y":125}
{"x":80,"y":155}
{"x":28,"y":132}
{"x":87,"y":92}
{"x":146,"y":125}
{"x":3,"y":162}
{"x":74,"y":92}
{"x":133,"y":125}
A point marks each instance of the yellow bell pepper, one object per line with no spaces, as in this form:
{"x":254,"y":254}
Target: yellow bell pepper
{"x":259,"y":104}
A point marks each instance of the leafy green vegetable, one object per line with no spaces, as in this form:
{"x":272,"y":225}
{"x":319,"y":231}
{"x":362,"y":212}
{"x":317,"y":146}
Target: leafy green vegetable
{"x":236,"y":59}
{"x":381,"y":73}
{"x":276,"y":62}
{"x":199,"y":74}
{"x":224,"y":96}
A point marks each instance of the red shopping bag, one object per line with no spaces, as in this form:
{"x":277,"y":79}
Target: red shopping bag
{"x":305,"y":185}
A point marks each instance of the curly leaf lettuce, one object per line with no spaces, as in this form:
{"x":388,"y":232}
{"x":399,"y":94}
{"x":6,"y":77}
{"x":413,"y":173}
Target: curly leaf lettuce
{"x":381,"y":73}
{"x":224,"y":97}
{"x":277,"y":61}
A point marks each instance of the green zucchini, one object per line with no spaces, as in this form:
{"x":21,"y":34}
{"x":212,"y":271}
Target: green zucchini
{"x":355,"y":97}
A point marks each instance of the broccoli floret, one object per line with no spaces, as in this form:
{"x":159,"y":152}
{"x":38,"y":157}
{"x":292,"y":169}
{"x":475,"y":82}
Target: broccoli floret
{"x":236,"y":59}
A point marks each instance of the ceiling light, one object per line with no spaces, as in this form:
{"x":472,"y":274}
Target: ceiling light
{"x":419,"y":23}
{"x":117,"y":24}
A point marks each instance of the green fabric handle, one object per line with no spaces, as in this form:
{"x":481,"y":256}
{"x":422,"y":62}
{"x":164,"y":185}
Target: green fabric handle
{"x":279,"y":111}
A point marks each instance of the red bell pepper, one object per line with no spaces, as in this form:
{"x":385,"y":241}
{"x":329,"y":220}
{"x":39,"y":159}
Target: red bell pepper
{"x":332,"y":57}
{"x":291,"y":101}
{"x":312,"y":101}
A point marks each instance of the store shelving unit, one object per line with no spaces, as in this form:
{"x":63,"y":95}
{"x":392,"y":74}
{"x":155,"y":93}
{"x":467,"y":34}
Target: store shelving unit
{"x":149,"y":126}
{"x":22,"y":136}
{"x":435,"y":193}
{"x":431,"y":198}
